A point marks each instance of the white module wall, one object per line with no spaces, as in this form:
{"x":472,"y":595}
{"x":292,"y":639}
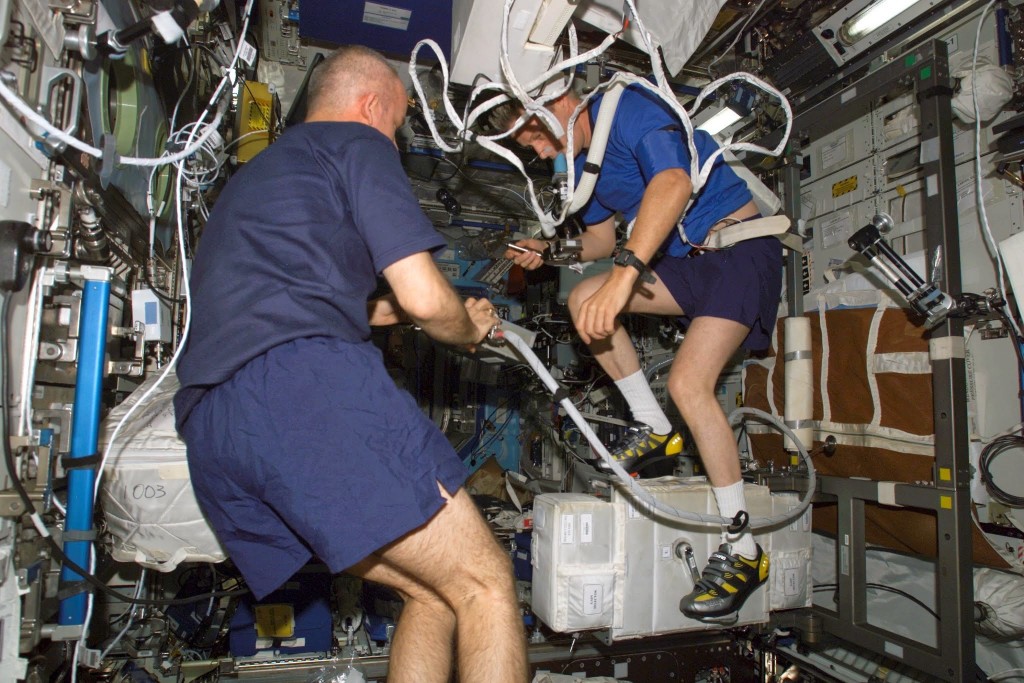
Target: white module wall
{"x":834,"y":206}
{"x":873,"y":165}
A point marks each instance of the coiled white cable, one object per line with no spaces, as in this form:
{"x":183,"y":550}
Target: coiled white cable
{"x":535,"y":106}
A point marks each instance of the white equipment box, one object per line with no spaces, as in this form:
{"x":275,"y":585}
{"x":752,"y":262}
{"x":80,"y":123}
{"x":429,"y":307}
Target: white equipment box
{"x":600,"y":564}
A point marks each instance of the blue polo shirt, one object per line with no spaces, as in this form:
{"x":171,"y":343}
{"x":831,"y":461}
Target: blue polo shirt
{"x":293,"y":249}
{"x":646,"y":138}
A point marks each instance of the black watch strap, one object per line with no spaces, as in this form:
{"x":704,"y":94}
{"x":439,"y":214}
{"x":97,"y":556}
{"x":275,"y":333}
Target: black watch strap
{"x":625,"y":257}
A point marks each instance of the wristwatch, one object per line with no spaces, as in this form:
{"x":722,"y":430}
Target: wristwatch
{"x":625,"y":257}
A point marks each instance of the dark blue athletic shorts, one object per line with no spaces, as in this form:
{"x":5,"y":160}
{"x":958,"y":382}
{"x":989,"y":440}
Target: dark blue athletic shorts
{"x":741,"y":283}
{"x":311,"y":448}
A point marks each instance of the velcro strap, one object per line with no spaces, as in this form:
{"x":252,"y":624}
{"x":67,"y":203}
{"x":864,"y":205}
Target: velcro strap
{"x":80,"y":462}
{"x":589,"y":167}
{"x":78,"y":535}
{"x":562,"y":394}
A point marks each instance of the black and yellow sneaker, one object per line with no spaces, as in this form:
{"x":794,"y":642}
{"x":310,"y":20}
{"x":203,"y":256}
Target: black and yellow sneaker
{"x":640,"y":445}
{"x":725,"y":584}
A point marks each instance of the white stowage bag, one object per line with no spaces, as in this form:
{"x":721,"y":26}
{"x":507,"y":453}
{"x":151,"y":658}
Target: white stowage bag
{"x":993,"y":86}
{"x":999,"y":595}
{"x":150,"y":510}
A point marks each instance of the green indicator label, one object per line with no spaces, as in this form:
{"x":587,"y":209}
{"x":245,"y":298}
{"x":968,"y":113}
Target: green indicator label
{"x":909,"y":60}
{"x":926,"y":73}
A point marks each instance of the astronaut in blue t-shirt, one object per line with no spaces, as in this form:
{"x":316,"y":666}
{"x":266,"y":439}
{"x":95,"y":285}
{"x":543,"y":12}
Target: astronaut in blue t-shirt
{"x":727,"y":298}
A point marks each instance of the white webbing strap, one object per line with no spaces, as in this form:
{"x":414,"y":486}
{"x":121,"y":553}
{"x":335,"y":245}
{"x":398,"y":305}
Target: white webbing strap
{"x":746,"y":230}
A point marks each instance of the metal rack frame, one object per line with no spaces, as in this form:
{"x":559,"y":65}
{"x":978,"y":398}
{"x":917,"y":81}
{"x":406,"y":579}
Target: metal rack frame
{"x":925,"y":70}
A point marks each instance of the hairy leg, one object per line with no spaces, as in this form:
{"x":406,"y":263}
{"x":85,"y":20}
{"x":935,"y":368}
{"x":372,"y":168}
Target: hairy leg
{"x":456,"y":556}
{"x":423,"y":643}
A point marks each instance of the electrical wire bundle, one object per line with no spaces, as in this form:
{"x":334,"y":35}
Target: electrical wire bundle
{"x":997,"y":447}
{"x":199,"y":157}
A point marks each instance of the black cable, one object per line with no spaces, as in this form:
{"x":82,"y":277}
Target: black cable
{"x":881,"y":587}
{"x":993,"y":449}
{"x":30,"y":508}
{"x":1008,"y":324}
{"x":193,"y":69}
{"x":170,"y":300}
{"x":1005,"y":317}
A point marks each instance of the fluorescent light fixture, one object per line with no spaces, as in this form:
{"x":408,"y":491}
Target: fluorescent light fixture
{"x":724,"y":118}
{"x":872,"y":17}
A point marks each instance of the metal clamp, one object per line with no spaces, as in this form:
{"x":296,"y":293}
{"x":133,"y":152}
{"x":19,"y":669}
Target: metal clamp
{"x":51,"y":77}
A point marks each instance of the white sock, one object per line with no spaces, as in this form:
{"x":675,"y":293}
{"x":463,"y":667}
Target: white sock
{"x":642,"y":403}
{"x":730,"y":501}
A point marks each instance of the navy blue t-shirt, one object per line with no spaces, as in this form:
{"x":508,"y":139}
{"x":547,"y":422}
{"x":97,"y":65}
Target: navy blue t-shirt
{"x":294,"y":246}
{"x":647,"y":138}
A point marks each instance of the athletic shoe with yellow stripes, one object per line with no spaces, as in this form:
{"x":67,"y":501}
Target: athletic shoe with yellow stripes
{"x":640,"y":444}
{"x":725,"y":584}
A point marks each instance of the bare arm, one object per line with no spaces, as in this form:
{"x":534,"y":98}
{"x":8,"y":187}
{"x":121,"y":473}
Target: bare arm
{"x":426,"y":297}
{"x":598,"y":242}
{"x":662,"y":204}
{"x":385,"y":311}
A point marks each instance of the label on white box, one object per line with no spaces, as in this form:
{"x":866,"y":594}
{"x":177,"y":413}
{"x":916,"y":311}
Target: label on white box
{"x":568,"y":529}
{"x":791,"y":582}
{"x":835,"y":229}
{"x":586,"y":528}
{"x":593,"y":595}
{"x":666,"y":552}
{"x":833,"y":153}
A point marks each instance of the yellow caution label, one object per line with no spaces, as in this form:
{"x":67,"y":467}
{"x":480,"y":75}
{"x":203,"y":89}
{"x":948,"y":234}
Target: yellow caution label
{"x":901,"y":191}
{"x":945,"y":474}
{"x":844,"y":186}
{"x":275,"y":621}
{"x":794,"y":459}
{"x":946,"y":502}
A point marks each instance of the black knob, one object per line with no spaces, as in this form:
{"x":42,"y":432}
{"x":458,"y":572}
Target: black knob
{"x":450,"y":203}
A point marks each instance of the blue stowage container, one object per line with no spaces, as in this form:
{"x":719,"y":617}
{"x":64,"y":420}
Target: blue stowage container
{"x":294,"y":619}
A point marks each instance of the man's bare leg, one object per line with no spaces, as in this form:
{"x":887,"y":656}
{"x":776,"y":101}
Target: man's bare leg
{"x":709,"y":344}
{"x":616,"y":354}
{"x":456,"y":556}
{"x":424,"y":639}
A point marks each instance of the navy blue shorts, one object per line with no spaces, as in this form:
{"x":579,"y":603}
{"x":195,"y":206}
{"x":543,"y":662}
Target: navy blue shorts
{"x":309,"y":449}
{"x":742,"y":283}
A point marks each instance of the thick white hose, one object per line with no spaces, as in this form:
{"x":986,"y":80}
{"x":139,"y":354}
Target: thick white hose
{"x":639,"y":493}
